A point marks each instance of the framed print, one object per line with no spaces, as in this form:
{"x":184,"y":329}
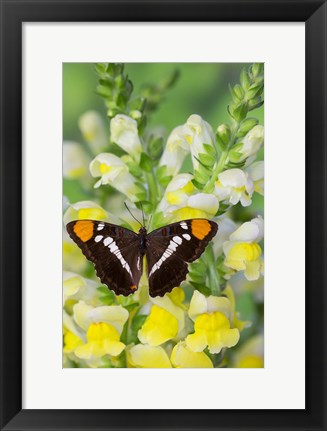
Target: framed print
{"x":163,"y":215}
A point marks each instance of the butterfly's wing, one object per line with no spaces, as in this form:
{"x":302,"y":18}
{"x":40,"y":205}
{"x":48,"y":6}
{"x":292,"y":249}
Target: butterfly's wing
{"x":113,"y":250}
{"x":171,"y":247}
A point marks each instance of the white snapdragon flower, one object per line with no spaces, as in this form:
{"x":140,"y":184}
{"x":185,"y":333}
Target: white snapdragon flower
{"x":233,"y":186}
{"x":114,"y":171}
{"x":76,"y":287}
{"x":176,"y":150}
{"x":93,"y":130}
{"x":124,"y":133}
{"x":256,"y":173}
{"x":242,"y":251}
{"x":180,"y":202}
{"x":199,"y":133}
{"x":252,"y":142}
{"x":75,"y":160}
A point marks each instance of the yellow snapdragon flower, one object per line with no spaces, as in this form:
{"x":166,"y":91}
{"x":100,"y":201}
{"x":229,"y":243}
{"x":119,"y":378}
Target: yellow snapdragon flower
{"x":212,"y":324}
{"x":145,"y":356}
{"x":159,"y":327}
{"x":250,"y":354}
{"x":183,"y":357}
{"x":103,"y":326}
{"x":85,"y":210}
{"x":102,"y":339}
{"x":242,"y":251}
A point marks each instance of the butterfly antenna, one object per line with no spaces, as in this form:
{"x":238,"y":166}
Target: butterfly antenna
{"x":149,"y":222}
{"x":142,"y":214}
{"x":132,"y":214}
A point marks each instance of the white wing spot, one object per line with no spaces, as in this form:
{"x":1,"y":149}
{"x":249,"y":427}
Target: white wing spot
{"x":167,"y":253}
{"x":107,"y":241}
{"x":186,"y":236}
{"x":98,"y":238}
{"x":172,"y":246}
{"x":113,"y":247}
{"x":100,"y":226}
{"x":183,"y":225}
{"x":138,"y":264}
{"x":115,"y":250}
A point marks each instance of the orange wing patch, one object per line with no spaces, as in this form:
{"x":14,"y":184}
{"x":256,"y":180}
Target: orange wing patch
{"x":133,"y":287}
{"x":84,"y":229}
{"x":200,"y":228}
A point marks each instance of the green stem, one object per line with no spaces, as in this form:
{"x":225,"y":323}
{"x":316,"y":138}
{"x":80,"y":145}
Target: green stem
{"x":222,"y":160}
{"x":212,"y":274}
{"x":153,"y":188}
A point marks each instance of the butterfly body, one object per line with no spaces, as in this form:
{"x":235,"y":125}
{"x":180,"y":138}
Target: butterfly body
{"x":117,"y":253}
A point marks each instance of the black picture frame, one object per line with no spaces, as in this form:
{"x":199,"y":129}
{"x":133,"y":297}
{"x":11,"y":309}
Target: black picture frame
{"x":16,"y":12}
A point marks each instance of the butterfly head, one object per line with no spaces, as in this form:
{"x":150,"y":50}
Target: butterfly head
{"x":142,"y":230}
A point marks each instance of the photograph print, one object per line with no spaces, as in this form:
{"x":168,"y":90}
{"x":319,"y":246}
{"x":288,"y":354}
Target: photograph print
{"x":163,"y":215}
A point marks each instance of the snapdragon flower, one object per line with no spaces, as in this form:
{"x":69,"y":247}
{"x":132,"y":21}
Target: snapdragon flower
{"x":183,"y":357}
{"x":256,"y":173}
{"x":103,"y":326}
{"x":212,"y":324}
{"x":124,"y":133}
{"x":176,"y":150}
{"x":113,"y":171}
{"x":199,"y":133}
{"x":85,"y":210}
{"x":75,"y":160}
{"x":145,"y":356}
{"x":93,"y":130}
{"x":233,"y":186}
{"x":242,"y":251}
{"x":181,"y":203}
{"x":76,"y":287}
{"x":248,"y":146}
{"x":250,"y":354}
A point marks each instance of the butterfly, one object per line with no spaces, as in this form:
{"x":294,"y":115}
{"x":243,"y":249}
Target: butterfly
{"x":117,"y":253}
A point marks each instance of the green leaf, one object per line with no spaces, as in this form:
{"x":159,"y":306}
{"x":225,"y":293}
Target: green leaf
{"x":238,"y":92}
{"x":257,"y":69}
{"x":162,"y":176}
{"x":248,"y":124}
{"x":240,"y":111}
{"x":103,"y":289}
{"x":146,"y":162}
{"x":137,"y":104}
{"x":206,"y":291}
{"x":196,"y":277}
{"x":254,"y":91}
{"x":245,"y":80}
{"x":209,"y":149}
{"x":130,"y":307}
{"x":138,"y":321}
{"x":100,"y":68}
{"x":106,"y":300}
{"x":255,"y":103}
{"x":222,"y":209}
{"x":207,"y":160}
{"x":155,"y":147}
{"x":198,"y":185}
{"x":202,"y":179}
